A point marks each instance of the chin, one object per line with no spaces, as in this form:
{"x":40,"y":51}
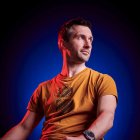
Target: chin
{"x":85,"y":59}
{"x":82,"y":59}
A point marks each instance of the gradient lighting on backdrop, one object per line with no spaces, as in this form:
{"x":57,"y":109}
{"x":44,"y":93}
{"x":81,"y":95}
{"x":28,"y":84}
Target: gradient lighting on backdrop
{"x":37,"y":58}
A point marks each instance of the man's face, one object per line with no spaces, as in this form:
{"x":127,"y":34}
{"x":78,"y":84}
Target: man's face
{"x":79,"y":46}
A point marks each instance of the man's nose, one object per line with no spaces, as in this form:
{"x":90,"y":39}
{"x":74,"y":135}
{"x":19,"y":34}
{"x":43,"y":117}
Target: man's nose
{"x":88,"y":44}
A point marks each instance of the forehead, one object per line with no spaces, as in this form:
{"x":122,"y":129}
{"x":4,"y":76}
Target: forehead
{"x":80,"y":29}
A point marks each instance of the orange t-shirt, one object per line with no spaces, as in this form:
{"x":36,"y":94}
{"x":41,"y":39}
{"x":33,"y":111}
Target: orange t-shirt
{"x":69,"y":104}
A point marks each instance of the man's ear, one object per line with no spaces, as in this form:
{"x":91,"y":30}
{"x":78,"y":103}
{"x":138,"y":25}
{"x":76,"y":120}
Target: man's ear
{"x":62,"y":44}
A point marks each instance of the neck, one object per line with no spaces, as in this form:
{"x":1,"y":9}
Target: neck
{"x":70,"y":69}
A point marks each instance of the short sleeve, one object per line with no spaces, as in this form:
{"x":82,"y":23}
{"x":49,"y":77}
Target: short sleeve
{"x":107,"y":86}
{"x":35,"y":103}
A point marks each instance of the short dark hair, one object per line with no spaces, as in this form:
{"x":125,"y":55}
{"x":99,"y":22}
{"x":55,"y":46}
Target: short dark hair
{"x":64,"y":29}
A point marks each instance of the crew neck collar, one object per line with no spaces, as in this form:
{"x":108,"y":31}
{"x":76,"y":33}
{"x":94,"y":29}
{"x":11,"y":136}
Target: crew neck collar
{"x":66,"y":77}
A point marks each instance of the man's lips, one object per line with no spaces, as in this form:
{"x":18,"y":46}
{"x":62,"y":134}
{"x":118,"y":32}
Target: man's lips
{"x":86,"y":52}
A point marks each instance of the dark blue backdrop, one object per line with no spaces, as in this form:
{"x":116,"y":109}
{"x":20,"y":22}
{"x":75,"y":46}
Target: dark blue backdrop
{"x":29,"y":55}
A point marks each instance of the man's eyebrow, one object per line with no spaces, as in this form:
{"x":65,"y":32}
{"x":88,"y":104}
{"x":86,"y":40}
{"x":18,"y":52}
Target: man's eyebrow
{"x":80,"y":34}
{"x":77,"y":34}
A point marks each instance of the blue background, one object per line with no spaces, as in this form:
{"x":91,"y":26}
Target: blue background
{"x":29,"y":55}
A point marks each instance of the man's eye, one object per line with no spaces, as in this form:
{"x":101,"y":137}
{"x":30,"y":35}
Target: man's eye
{"x":79,"y":37}
{"x":91,"y":40}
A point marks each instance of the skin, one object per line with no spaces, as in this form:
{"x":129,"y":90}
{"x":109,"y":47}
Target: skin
{"x":76,"y":53}
{"x":104,"y":121}
{"x":22,"y":130}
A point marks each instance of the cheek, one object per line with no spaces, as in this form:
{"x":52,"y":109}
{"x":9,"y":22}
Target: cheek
{"x":75,"y":46}
{"x":78,"y":45}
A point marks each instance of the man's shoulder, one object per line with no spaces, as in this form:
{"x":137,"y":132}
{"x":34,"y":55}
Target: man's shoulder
{"x":98,"y":74}
{"x":95,"y":72}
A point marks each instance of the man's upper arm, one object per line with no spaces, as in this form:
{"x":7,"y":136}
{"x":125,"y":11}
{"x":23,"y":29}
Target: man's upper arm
{"x":107,"y":103}
{"x":30,"y":120}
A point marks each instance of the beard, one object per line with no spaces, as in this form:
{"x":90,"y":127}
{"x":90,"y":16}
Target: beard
{"x":79,"y":58}
{"x":83,"y":59}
